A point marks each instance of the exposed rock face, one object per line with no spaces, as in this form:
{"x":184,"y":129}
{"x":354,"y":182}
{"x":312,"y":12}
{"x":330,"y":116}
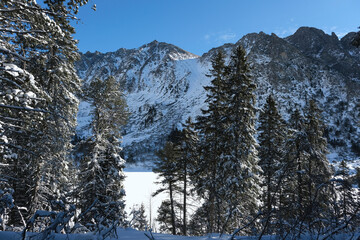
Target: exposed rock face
{"x":164,"y":85}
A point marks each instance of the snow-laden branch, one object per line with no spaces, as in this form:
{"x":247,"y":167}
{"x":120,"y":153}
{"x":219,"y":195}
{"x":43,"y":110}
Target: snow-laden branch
{"x":10,"y":81}
{"x":17,"y":147}
{"x":24,"y":6}
{"x":21,"y":32}
{"x":10,"y":9}
{"x":4,"y":50}
{"x":32,"y":109}
{"x":10,"y":19}
{"x":24,"y":108}
{"x":11,"y":119}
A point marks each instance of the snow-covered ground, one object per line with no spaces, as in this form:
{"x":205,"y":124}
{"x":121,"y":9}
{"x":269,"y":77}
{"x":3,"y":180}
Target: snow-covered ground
{"x":139,"y":185}
{"x":123,"y":234}
{"x":130,"y":234}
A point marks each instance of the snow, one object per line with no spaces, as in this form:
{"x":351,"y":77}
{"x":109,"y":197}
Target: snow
{"x":262,"y":59}
{"x":131,"y":234}
{"x":84,"y":119}
{"x":352,"y":165}
{"x":13,"y":70}
{"x":139,"y":186}
{"x":123,"y":234}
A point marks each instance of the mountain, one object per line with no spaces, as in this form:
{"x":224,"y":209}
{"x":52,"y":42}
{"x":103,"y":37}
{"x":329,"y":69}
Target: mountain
{"x":164,"y":85}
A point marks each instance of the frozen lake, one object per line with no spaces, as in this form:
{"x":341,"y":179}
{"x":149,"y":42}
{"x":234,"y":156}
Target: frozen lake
{"x":139,"y":187}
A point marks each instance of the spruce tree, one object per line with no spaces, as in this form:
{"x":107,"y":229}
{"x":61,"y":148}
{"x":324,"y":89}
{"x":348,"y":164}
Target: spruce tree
{"x":291,"y":207}
{"x":306,"y":190}
{"x":38,"y":86}
{"x":207,"y":177}
{"x":346,"y":199}
{"x":101,"y":170}
{"x":271,"y":144}
{"x":317,"y":166}
{"x":22,"y":101}
{"x":239,"y":168}
{"x":229,"y":172}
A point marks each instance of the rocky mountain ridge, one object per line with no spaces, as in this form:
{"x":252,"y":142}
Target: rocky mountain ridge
{"x":164,"y":85}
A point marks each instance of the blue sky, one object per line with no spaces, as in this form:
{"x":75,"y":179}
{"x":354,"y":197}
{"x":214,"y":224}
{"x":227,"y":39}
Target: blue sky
{"x":199,"y":25}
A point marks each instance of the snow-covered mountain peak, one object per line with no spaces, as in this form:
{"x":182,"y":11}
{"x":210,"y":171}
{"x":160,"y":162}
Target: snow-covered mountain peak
{"x":164,"y":84}
{"x":166,"y":50}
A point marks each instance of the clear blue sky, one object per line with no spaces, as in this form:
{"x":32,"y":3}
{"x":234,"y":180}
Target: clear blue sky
{"x":199,"y":25}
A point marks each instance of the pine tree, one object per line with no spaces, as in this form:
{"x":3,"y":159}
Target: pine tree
{"x":230,"y":178}
{"x":317,"y":166}
{"x":207,"y":178}
{"x":346,"y":200}
{"x":240,"y":169}
{"x":306,"y":191}
{"x":174,"y":166}
{"x":271,"y":141}
{"x":38,"y":86}
{"x":101,"y":176}
{"x":166,"y":167}
{"x":291,"y":207}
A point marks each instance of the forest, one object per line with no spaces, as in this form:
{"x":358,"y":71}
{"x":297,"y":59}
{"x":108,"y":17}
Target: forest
{"x":250,"y":172}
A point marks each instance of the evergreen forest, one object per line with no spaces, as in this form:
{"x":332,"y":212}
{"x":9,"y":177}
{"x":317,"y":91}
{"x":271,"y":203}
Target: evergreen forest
{"x":235,"y":170}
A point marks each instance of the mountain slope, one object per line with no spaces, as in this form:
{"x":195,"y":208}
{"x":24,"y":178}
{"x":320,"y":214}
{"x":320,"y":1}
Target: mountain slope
{"x":164,"y":85}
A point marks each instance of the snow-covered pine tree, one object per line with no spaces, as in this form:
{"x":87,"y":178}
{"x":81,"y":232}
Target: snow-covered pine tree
{"x":22,"y":99}
{"x":62,"y":84}
{"x":138,"y":219}
{"x":35,"y":43}
{"x":239,"y":167}
{"x":271,"y":144}
{"x":317,"y":167}
{"x":101,"y":170}
{"x":207,"y":177}
{"x":175,"y":165}
{"x":291,"y":203}
{"x":305,"y":195}
{"x":346,"y":205}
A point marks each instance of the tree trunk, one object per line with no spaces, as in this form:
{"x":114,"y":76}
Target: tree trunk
{"x":184,"y":193}
{"x":172,"y":209}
